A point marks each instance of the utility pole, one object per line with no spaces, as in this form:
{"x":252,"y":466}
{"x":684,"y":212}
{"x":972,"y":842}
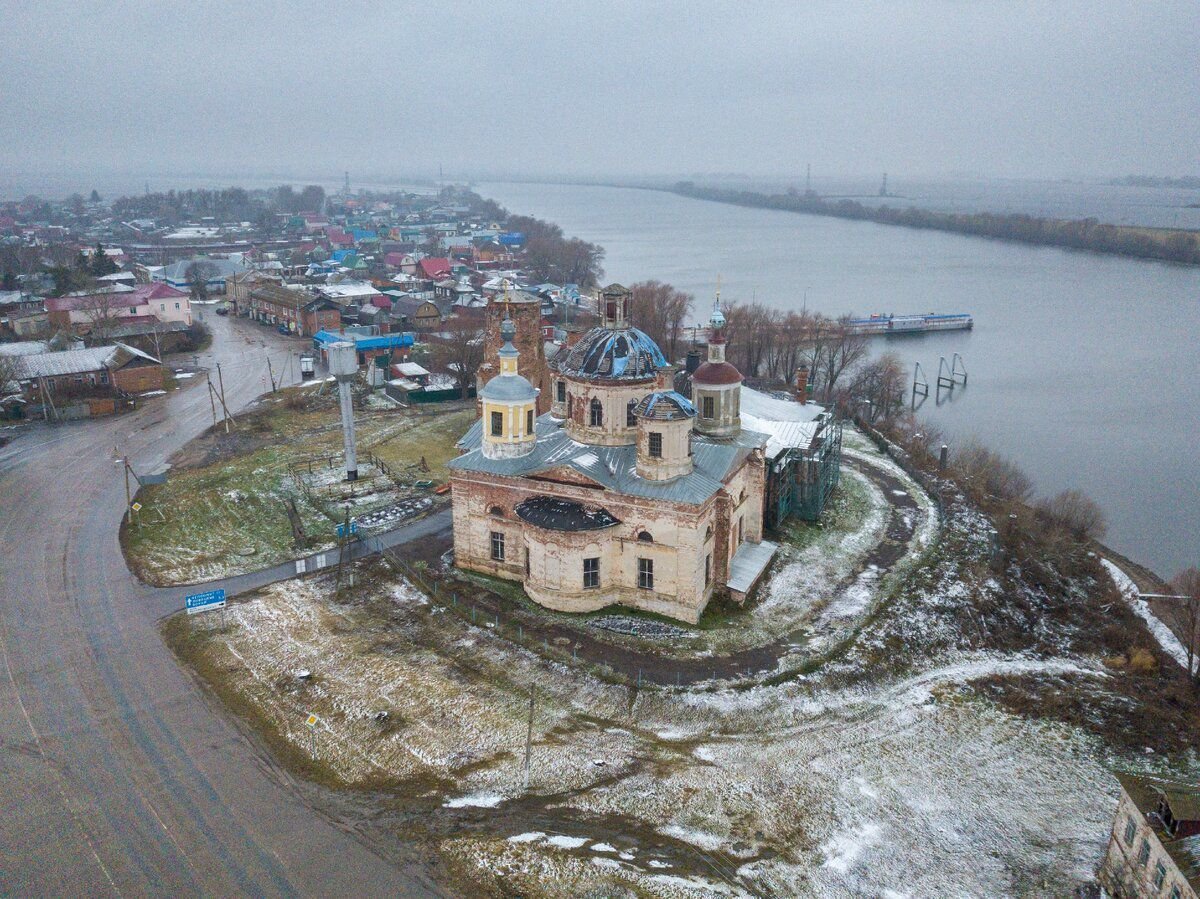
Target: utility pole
{"x":529,"y":738}
{"x":221,"y":383}
{"x":128,"y":496}
{"x":212,"y":402}
{"x":271,"y":372}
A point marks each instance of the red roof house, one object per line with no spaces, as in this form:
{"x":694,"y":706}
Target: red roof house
{"x":435,"y":267}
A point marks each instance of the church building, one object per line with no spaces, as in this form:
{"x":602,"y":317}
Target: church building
{"x":625,"y":491}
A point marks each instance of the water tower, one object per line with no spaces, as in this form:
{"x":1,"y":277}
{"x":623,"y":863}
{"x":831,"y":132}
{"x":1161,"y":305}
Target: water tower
{"x":343,"y":365}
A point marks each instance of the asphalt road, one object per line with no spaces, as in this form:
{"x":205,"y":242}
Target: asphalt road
{"x":118,"y":776}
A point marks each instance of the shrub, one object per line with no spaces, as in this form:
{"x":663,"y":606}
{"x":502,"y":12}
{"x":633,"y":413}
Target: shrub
{"x":986,"y":473}
{"x":1074,"y":511}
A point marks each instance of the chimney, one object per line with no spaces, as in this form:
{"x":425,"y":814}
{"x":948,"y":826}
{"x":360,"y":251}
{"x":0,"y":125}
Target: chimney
{"x":693,"y":361}
{"x":802,"y":384}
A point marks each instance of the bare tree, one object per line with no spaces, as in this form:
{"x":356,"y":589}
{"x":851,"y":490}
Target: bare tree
{"x":197,"y":275}
{"x":842,"y":347}
{"x":459,"y":352}
{"x":1187,"y":585}
{"x":661,"y":310}
{"x":102,"y":311}
{"x":877,"y":389}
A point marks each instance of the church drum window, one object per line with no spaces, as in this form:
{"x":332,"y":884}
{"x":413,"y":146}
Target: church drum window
{"x":655,"y":440}
{"x":497,"y":424}
{"x":596,"y":413}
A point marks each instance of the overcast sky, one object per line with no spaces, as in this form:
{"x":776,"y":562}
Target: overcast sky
{"x":1023,"y":89}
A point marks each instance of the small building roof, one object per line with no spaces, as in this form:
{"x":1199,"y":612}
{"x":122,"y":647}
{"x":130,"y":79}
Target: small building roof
{"x":74,"y":362}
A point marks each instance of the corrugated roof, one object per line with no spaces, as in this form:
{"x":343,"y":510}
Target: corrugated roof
{"x":614,"y":467}
{"x":748,"y":564}
{"x":72,"y":362}
{"x":788,"y":425}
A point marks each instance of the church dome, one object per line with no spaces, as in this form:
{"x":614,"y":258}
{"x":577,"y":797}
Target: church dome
{"x":613,"y":354}
{"x":509,"y":389}
{"x":716,"y":374}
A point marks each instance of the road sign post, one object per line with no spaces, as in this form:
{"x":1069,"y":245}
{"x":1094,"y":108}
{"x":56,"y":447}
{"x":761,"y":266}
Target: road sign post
{"x":205,"y":602}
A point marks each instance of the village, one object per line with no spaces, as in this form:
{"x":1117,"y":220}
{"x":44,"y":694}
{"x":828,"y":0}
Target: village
{"x":595,"y":589}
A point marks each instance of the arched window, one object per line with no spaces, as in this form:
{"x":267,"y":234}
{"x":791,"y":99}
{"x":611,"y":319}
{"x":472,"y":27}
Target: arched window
{"x":596,"y":413}
{"x":561,"y":387}
{"x":630,"y":418}
{"x":708,"y":533}
{"x":644,"y":537}
{"x":497,"y":511}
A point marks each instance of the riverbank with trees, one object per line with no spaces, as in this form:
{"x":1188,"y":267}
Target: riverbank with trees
{"x":1164,"y":244}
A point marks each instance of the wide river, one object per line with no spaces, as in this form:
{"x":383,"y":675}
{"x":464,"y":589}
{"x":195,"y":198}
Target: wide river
{"x":1083,"y":368}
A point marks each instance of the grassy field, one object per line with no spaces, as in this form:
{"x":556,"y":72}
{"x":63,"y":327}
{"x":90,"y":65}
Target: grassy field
{"x":224,"y":508}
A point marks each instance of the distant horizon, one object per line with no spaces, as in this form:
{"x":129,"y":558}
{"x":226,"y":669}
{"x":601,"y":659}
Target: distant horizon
{"x":68,"y":182}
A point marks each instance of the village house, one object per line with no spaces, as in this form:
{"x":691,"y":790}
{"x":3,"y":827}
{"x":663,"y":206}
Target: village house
{"x":83,"y":382}
{"x":1154,"y":847}
{"x":299,"y":311}
{"x":622,"y":493}
{"x":239,"y":286}
{"x":97,"y":310}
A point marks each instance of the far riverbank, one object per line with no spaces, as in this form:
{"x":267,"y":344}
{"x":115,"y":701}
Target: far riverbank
{"x":1161,"y":244}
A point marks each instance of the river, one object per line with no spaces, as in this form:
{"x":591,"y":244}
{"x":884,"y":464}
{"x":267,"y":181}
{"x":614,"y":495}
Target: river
{"x":1083,"y":368}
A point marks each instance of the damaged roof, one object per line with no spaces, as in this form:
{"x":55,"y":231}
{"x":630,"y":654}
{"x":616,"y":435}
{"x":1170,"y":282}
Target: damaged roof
{"x":564,"y":515}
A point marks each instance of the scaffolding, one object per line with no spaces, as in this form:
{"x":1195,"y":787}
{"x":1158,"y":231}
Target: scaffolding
{"x":800,"y":482}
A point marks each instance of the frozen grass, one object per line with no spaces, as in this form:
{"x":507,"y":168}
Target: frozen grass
{"x":223,"y":511}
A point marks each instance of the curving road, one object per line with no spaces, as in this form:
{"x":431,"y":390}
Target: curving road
{"x":118,"y":776}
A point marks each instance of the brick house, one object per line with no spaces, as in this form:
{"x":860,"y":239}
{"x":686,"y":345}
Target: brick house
{"x":99,"y":373}
{"x":302,"y":313}
{"x":1154,"y":847}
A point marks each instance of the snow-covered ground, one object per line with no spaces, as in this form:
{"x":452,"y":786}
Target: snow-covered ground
{"x":1164,"y":635}
{"x":908,"y":787}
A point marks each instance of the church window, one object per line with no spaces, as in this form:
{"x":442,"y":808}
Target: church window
{"x":1160,"y":874}
{"x":529,"y":421}
{"x":1144,"y":852}
{"x":497,"y":511}
{"x":561,"y":387}
{"x":708,"y":569}
{"x":708,"y":533}
{"x":596,"y":413}
{"x":644,"y":537}
{"x":630,"y":418}
{"x":655,"y":445}
{"x":591,"y":573}
{"x":646,"y":574}
{"x":497,"y":424}
{"x":708,"y":406}
{"x":498,"y":546}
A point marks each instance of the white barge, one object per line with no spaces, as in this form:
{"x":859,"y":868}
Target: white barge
{"x":890,"y":323}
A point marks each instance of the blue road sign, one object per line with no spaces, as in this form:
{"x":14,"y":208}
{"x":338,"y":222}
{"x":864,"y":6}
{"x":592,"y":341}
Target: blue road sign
{"x":205,"y":602}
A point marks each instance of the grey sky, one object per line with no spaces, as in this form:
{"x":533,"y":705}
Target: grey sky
{"x":592,"y":88}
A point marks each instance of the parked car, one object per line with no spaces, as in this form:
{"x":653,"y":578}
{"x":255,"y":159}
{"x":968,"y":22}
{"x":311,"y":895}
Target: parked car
{"x":222,"y":310}
{"x":283,"y":329}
